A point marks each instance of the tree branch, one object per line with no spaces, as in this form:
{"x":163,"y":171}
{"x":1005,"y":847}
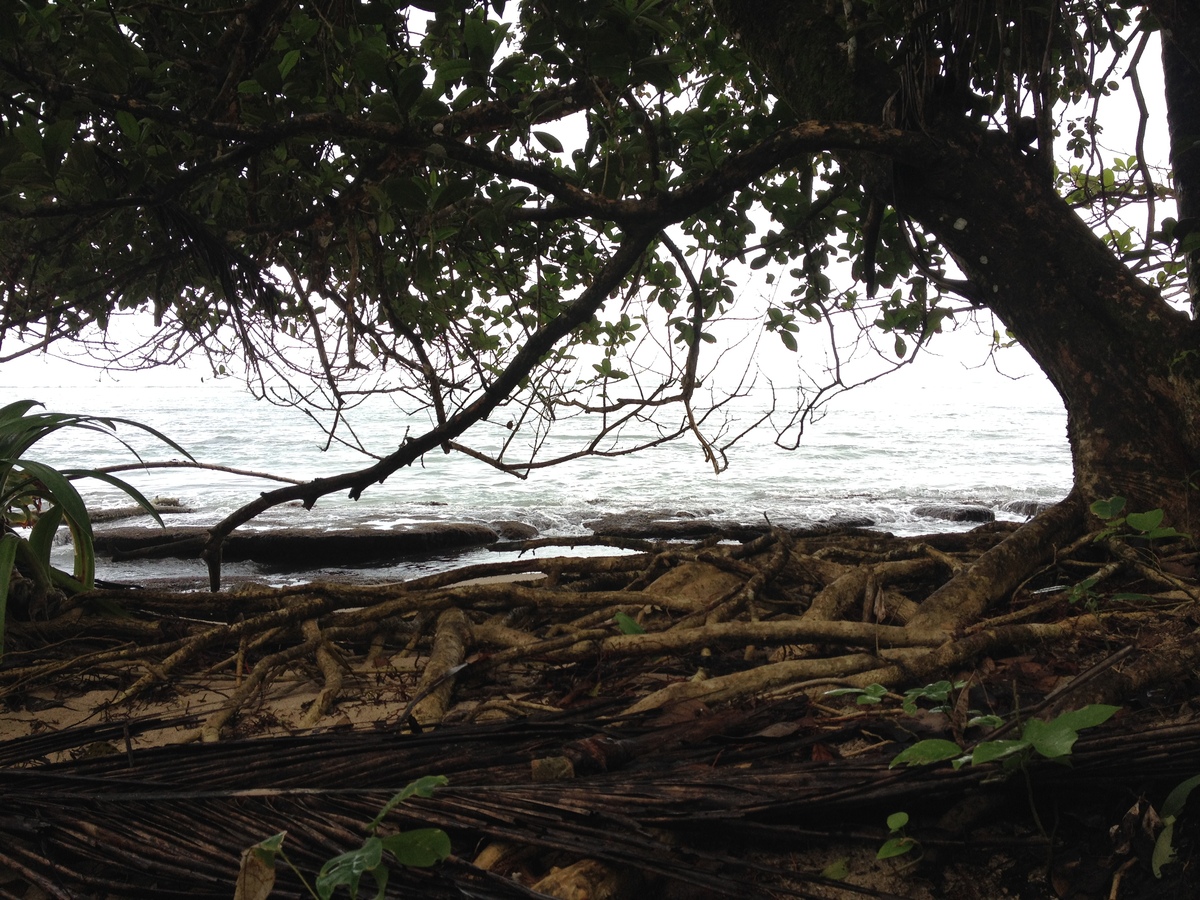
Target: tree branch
{"x":535,"y":349}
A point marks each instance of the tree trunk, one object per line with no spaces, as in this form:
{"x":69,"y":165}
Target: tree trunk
{"x":1126,"y":364}
{"x":1120,"y":357}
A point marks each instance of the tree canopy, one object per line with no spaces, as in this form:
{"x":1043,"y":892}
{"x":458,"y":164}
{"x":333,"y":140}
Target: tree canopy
{"x":528,"y":210}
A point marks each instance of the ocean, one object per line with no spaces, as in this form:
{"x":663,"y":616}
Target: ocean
{"x":935,"y":434}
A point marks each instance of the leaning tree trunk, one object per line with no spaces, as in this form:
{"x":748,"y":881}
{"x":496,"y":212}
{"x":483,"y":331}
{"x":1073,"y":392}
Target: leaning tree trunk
{"x":1122,"y":359}
{"x":1126,"y":364}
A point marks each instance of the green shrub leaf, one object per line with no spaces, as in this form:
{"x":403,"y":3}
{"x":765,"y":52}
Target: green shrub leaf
{"x":422,"y":787}
{"x":627,"y":624}
{"x":895,"y":847}
{"x":1050,"y":739}
{"x":421,"y":847}
{"x":1177,"y":799}
{"x":1108,"y":509}
{"x":993,"y":750}
{"x":1088,"y":717}
{"x":1146,"y":521}
{"x":348,"y":868}
{"x":923,"y":753}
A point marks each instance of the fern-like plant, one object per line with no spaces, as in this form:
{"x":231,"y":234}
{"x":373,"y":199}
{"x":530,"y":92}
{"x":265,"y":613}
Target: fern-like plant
{"x":40,"y":497}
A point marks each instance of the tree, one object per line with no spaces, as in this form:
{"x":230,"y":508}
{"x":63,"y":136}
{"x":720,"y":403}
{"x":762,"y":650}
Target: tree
{"x":392,"y":198}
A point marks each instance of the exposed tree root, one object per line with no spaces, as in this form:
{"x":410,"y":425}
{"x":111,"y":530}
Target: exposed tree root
{"x":688,"y":634}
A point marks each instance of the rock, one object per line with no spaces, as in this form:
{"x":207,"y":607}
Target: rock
{"x":849,"y":522}
{"x":1027,"y":508}
{"x":300,"y":548}
{"x":511,"y":530}
{"x":669,"y":524}
{"x":956,"y":513}
{"x":162,"y":505}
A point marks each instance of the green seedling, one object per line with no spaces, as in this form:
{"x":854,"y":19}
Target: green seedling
{"x":937,"y":693}
{"x":1164,"y":845}
{"x":871,"y":695}
{"x":1051,"y":740}
{"x":899,"y":843}
{"x":1145,"y":525}
{"x":627,"y":624}
{"x":420,"y":848}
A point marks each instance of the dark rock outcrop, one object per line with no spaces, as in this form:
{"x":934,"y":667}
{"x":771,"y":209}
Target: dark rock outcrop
{"x":849,"y":522}
{"x":162,"y":505}
{"x":955,"y":512}
{"x":1027,"y":508}
{"x":512,"y":530}
{"x":668,"y":524}
{"x":297,"y":547}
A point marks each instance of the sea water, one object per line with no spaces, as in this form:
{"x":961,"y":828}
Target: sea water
{"x":945,"y":434}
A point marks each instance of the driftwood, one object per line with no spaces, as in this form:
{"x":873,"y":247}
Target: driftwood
{"x":624,"y":722}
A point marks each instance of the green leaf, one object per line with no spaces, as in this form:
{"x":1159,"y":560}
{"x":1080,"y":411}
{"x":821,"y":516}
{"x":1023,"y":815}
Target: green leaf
{"x":922,"y":753}
{"x":288,"y":62}
{"x":1177,"y":799}
{"x":627,"y":624}
{"x":1146,"y":521}
{"x":895,"y":847}
{"x":348,"y":868}
{"x":41,"y":536}
{"x":134,"y":493}
{"x":421,"y":847}
{"x":1051,"y":739}
{"x":992,"y":750}
{"x":1108,"y":509}
{"x":838,"y":870}
{"x":422,"y":787}
{"x":897,"y":820}
{"x":61,"y":492}
{"x":549,"y":141}
{"x":8,"y":555}
{"x":408,"y":86}
{"x":1164,"y":847}
{"x":1167,"y":532}
{"x":129,"y":125}
{"x":1088,"y":717}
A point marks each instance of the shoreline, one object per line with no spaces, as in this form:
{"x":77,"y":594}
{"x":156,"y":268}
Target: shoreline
{"x":133,"y":557}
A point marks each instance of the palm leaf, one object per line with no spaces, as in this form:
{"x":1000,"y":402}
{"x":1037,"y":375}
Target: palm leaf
{"x":41,"y":537}
{"x":59,"y":490}
{"x":134,"y":494}
{"x":8,"y":558}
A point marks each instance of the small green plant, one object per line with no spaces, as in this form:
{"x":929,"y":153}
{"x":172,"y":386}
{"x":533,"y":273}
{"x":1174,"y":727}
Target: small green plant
{"x":1052,"y":740}
{"x":869,"y":696}
{"x":1083,"y":593}
{"x":1145,"y":525}
{"x":628,"y":624}
{"x":39,"y":497}
{"x":1172,"y":808}
{"x":937,"y":693}
{"x":899,"y":843}
{"x":420,"y":848}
